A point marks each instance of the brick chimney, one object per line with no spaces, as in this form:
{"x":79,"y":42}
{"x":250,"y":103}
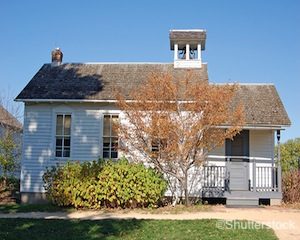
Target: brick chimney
{"x":57,"y":57}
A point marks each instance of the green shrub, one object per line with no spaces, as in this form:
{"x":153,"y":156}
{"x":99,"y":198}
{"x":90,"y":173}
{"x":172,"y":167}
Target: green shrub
{"x":9,"y":184}
{"x":291,"y":186}
{"x":9,"y":153}
{"x":104,"y":184}
{"x":70,"y":184}
{"x":9,"y":187}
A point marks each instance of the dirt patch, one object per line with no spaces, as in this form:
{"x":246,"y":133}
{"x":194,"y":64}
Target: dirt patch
{"x":284,"y":221}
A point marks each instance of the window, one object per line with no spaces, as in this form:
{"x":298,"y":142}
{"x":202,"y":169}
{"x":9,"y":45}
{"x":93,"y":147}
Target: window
{"x":110,"y":136}
{"x":158,"y":140}
{"x":63,"y":135}
{"x":155,"y":145}
{"x":158,"y":144}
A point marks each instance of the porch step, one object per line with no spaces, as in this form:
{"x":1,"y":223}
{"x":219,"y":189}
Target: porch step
{"x":240,"y":194}
{"x":241,"y":201}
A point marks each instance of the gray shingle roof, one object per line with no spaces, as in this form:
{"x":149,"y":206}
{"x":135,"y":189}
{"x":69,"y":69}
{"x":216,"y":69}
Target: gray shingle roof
{"x":94,"y":81}
{"x":192,"y":37}
{"x":8,"y":120}
{"x":99,"y":81}
{"x":262,"y":105}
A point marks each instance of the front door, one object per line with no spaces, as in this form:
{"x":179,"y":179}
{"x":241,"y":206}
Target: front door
{"x":238,"y":149}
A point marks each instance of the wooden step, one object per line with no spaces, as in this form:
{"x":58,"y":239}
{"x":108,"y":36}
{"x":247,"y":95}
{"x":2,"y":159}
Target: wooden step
{"x":237,"y":201}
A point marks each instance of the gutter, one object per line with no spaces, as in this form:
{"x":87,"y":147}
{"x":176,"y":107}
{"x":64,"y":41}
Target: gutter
{"x":65,"y":100}
{"x":261,"y":127}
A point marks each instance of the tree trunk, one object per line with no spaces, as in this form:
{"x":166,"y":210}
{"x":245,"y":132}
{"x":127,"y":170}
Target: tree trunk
{"x":186,"y":191}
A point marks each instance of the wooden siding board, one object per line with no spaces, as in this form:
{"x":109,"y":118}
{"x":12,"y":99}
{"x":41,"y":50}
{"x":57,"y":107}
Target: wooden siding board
{"x":262,"y":143}
{"x":86,"y":134}
{"x":86,"y":141}
{"x":37,"y":146}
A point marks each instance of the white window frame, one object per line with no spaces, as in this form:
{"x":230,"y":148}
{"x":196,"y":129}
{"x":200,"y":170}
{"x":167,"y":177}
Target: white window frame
{"x":63,"y":136}
{"x":109,"y":136}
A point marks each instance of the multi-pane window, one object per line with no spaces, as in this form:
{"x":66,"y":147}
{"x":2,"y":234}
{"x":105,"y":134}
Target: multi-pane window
{"x":110,"y":136}
{"x":154,"y":145}
{"x":63,"y":135}
{"x":158,"y":144}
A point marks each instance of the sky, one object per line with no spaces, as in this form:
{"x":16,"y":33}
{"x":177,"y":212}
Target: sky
{"x":247,"y":41}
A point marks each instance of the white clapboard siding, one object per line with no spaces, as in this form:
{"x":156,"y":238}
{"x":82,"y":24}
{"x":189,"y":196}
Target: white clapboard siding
{"x":39,"y":139}
{"x":261,"y":146}
{"x":86,"y":140}
{"x":219,"y":151}
{"x":37,"y":147}
{"x":86,"y":126}
{"x":262,"y":143}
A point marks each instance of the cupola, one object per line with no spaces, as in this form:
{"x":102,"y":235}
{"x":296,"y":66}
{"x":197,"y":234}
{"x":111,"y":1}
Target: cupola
{"x":187,"y":46}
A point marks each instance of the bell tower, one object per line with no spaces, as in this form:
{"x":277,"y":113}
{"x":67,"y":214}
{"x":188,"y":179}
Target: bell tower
{"x":187,"y":46}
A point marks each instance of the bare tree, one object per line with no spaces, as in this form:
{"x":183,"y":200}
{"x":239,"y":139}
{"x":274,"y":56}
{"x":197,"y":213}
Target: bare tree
{"x":173,"y":123}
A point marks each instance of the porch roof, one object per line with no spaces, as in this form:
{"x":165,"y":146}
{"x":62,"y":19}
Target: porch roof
{"x":263,"y":106}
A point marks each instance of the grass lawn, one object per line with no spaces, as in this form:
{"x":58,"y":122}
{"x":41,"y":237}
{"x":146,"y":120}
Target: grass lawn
{"x":123,"y":229}
{"x":14,"y":208}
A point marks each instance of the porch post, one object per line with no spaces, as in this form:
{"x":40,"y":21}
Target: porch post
{"x":175,"y":52}
{"x":254,"y":174}
{"x":227,"y":183}
{"x":187,"y":51}
{"x":278,"y":161}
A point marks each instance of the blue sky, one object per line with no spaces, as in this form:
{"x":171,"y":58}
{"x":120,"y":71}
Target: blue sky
{"x":247,"y":41}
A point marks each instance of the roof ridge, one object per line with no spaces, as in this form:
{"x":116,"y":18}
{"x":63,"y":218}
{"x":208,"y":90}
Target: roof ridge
{"x":116,"y":63}
{"x":245,"y":84}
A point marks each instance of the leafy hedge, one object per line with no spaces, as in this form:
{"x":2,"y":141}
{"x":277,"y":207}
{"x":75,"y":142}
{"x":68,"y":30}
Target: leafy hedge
{"x":291,"y":186}
{"x":104,"y":184}
{"x":9,"y":189}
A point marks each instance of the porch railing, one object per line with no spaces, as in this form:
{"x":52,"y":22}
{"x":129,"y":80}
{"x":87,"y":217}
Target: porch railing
{"x":266,"y":179}
{"x":214,"y":177}
{"x":261,"y":178}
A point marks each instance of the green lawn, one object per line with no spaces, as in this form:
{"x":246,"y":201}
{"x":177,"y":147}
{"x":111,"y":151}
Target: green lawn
{"x":14,"y":208}
{"x":123,"y":229}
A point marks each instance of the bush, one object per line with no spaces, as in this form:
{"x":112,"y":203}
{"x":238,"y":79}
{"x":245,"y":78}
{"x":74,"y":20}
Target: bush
{"x":9,"y":186}
{"x":290,"y":154}
{"x":70,"y":184}
{"x":9,"y":153}
{"x":291,"y":186}
{"x":104,"y":184}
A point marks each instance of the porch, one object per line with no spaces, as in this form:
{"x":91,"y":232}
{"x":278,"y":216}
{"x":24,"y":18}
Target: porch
{"x":242,"y":180}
